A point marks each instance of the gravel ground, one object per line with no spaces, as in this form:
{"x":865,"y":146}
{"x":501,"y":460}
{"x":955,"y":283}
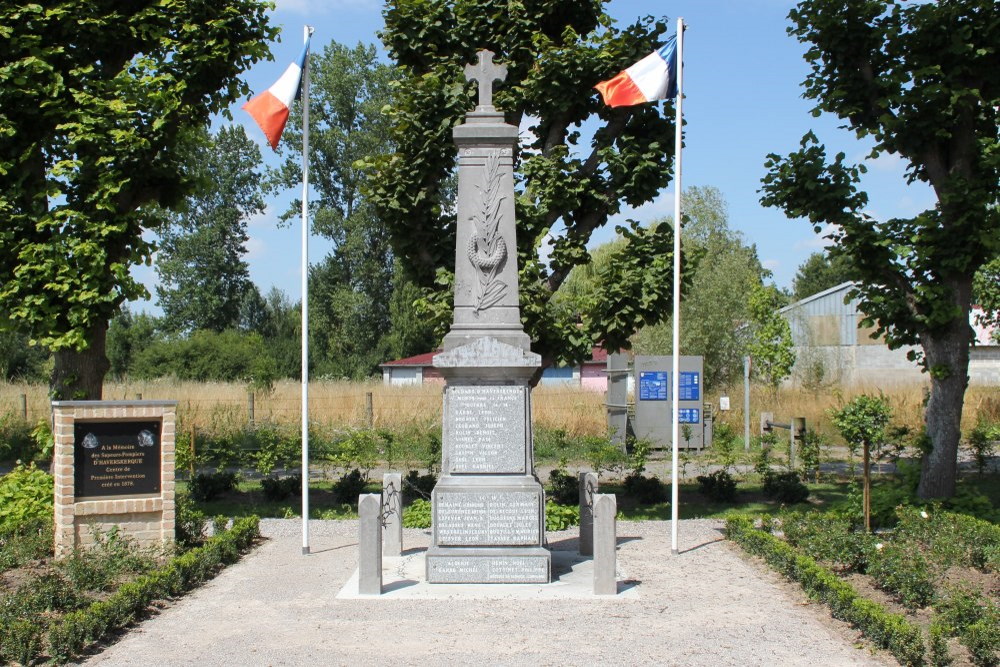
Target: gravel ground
{"x":706,"y":606}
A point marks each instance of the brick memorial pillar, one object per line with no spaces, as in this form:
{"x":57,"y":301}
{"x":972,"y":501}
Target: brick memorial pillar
{"x":114,"y":466}
{"x":488,"y":506}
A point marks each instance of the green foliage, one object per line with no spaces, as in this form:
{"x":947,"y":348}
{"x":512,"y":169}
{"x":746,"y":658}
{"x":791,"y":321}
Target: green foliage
{"x":603,"y":456}
{"x":903,"y":572}
{"x":982,"y":443}
{"x":279,"y":488}
{"x":829,"y":538}
{"x":189,"y":521}
{"x":90,"y":140}
{"x":417,"y":514}
{"x":718,"y":486}
{"x":29,"y":541}
{"x":716,"y":301}
{"x":554,"y":52}
{"x":937,"y":645}
{"x":128,"y":334}
{"x":275,"y":447}
{"x":112,"y":557}
{"x":725,"y":447}
{"x":73,"y":633}
{"x":350,"y":485}
{"x":16,"y":443}
{"x":206,"y":486}
{"x":916,"y":79}
{"x":228,"y":356}
{"x":204,"y":280}
{"x":762,"y":448}
{"x":785,"y":487}
{"x":820,"y":272}
{"x":564,"y":488}
{"x":986,"y":294}
{"x":770,"y":347}
{"x":645,"y":489}
{"x":983,"y":641}
{"x":561,"y":517}
{"x":418,"y":486}
{"x":811,"y":452}
{"x":863,"y":421}
{"x":25,"y":497}
{"x":19,"y":360}
{"x":888,"y":630}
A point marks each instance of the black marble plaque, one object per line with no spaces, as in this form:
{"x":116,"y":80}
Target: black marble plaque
{"x":116,"y":458}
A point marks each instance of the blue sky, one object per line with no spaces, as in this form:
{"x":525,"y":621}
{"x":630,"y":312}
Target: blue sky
{"x":743,"y":100}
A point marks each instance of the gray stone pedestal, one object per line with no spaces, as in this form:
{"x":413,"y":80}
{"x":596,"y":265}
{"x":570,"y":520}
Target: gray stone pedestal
{"x":489,"y":508}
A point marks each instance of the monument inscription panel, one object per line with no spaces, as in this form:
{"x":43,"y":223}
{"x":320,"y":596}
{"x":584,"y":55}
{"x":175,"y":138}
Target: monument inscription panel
{"x":489,"y":569}
{"x":116,"y":458}
{"x":487,"y":428}
{"x":470,"y":519}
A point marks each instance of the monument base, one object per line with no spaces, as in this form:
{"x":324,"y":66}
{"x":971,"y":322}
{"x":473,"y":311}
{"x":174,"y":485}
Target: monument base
{"x":489,"y":565}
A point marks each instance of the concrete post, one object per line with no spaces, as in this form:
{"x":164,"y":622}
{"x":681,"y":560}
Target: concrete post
{"x":370,"y":544}
{"x":369,"y":410}
{"x":24,"y":407}
{"x":250,"y":408}
{"x":392,"y":512}
{"x":588,"y":487}
{"x":605,"y":543}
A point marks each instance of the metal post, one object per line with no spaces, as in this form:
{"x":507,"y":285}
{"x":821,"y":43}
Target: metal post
{"x":746,"y":403}
{"x":678,"y":144}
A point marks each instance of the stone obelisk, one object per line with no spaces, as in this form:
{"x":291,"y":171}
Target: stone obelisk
{"x":488,"y":506}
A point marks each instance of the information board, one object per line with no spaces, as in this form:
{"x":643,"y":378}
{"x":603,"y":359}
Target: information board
{"x":690,"y":386}
{"x":653,"y":386}
{"x":116,"y":458}
{"x":689,"y":416}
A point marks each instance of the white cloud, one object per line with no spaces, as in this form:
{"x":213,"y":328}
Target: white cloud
{"x":771,"y":264}
{"x":256,"y":248}
{"x":266,"y":218}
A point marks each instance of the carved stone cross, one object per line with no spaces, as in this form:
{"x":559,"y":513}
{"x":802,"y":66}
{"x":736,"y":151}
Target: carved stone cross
{"x":485,"y":72}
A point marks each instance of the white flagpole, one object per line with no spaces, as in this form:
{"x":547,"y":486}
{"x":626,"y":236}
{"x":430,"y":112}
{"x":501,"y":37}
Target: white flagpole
{"x":307,"y":31}
{"x":675,"y":380}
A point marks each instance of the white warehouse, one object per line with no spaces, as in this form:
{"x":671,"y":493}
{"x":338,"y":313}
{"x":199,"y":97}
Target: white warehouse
{"x":832,"y":347}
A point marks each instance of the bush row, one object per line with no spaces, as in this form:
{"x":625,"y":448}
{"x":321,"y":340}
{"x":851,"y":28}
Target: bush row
{"x":890,"y":631}
{"x":77,"y":630}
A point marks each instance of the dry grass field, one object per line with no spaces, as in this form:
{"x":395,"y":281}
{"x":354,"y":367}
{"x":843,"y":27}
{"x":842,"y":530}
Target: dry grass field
{"x":344,"y":404}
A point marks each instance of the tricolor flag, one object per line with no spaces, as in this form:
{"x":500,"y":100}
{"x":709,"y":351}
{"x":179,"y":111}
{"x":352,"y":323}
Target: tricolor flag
{"x":652,"y":78}
{"x":270,"y":108}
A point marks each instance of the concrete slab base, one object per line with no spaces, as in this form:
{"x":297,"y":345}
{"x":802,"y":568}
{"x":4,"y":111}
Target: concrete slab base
{"x":404,"y":578}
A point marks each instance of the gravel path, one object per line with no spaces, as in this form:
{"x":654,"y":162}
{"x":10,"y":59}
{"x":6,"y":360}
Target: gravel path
{"x":707,"y":606}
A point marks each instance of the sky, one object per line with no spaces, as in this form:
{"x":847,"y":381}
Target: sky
{"x":742,"y":100}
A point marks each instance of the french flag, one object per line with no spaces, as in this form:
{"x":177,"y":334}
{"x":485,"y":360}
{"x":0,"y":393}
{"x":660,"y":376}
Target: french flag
{"x":652,"y":78}
{"x":270,"y":108}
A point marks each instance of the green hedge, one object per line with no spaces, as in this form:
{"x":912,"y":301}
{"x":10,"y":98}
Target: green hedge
{"x":890,"y":631}
{"x":77,"y":630}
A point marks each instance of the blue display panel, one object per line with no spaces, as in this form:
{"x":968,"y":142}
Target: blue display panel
{"x":689,"y":416}
{"x":653,"y":386}
{"x":690,"y":387}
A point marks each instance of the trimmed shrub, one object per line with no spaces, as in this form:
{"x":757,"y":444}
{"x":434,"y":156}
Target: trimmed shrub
{"x":77,"y":630}
{"x":29,"y":542}
{"x":785,"y":487}
{"x":204,"y":487}
{"x":347,"y":489}
{"x":564,"y":488}
{"x":890,"y":631}
{"x":279,"y":488}
{"x":718,"y":486}
{"x":982,"y":638}
{"x":828,"y":538}
{"x":416,"y":485}
{"x":645,"y":490}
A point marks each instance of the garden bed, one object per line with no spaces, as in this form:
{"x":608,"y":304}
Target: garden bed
{"x":928,"y":590}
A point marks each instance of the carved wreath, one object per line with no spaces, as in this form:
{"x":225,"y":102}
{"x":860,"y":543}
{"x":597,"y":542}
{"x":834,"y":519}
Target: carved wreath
{"x":487,"y":249}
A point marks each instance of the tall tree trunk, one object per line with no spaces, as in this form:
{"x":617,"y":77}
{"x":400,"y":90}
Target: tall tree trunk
{"x":947,"y":356}
{"x":80,"y":375}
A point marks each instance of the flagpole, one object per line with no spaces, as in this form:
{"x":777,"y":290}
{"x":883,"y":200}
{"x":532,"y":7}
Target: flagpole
{"x":675,"y":380}
{"x":307,"y":31}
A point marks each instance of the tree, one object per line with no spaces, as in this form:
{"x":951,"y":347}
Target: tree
{"x":204,"y":280}
{"x":128,"y":335}
{"x":986,"y":295}
{"x":864,"y":421}
{"x":820,"y":272}
{"x":770,"y":348}
{"x":352,"y":290}
{"x":715,"y":316}
{"x":19,"y":360}
{"x":96,"y":97}
{"x":919,"y":80}
{"x":568,"y":185}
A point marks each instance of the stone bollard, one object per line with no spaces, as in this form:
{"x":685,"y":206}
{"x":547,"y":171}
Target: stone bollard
{"x":605,"y":543}
{"x":392,"y":513}
{"x":588,"y":487}
{"x":370,"y":544}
